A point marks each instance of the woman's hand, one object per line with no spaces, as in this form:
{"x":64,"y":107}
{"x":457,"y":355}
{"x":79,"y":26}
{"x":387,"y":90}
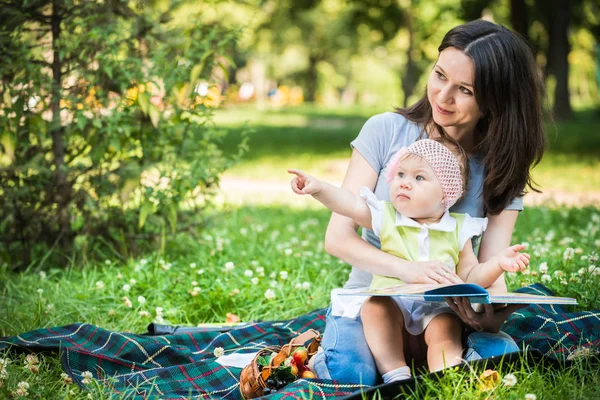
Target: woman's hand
{"x":305,"y":184}
{"x":430,"y":272}
{"x":490,"y":320}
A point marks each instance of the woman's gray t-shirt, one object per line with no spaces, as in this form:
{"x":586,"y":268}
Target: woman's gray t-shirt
{"x":379,"y":139}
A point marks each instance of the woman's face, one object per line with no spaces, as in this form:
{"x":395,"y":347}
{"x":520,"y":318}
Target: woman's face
{"x":451,"y":95}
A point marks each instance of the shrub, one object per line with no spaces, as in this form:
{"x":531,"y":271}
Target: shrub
{"x":105,"y":127}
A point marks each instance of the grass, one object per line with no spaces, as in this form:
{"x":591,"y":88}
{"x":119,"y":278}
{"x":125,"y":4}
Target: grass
{"x":287,"y":244}
{"x":317,"y":140}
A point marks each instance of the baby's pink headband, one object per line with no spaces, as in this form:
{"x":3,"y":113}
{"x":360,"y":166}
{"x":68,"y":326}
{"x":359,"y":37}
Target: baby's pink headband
{"x":443,"y":162}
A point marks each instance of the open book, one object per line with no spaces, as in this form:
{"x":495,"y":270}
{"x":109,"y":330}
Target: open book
{"x":475,"y":293}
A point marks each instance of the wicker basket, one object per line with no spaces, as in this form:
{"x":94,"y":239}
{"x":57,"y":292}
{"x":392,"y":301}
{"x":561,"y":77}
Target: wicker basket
{"x":253,"y":381}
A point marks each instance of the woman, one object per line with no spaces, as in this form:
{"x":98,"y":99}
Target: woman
{"x":484,"y":92}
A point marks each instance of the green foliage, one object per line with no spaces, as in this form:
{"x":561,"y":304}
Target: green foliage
{"x":106,"y":126}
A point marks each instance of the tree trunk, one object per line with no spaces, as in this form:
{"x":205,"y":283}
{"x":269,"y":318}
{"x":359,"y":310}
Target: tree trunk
{"x":411,"y":72}
{"x":62,"y":189}
{"x":558,"y":63}
{"x":312,"y":79}
{"x":518,"y":17}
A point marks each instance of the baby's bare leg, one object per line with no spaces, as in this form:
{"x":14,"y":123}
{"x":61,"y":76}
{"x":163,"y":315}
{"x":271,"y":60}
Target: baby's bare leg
{"x":444,"y":341}
{"x":383,"y":325}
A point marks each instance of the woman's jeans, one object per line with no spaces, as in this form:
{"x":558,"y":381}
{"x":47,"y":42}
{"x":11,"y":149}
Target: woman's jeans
{"x":347,"y":358}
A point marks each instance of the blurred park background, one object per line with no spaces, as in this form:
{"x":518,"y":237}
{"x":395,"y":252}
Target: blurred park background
{"x":144,"y":146}
{"x":125,"y":124}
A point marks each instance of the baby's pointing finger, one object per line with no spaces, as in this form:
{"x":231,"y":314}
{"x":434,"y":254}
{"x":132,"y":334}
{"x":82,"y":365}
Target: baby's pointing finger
{"x":296,"y":172}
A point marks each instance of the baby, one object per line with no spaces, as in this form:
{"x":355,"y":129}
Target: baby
{"x":426,"y":179}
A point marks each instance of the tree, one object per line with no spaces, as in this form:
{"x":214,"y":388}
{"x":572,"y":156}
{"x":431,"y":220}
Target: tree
{"x":105,"y":124}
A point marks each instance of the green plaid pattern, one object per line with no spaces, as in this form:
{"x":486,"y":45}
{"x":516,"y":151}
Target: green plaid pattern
{"x":183,"y":366}
{"x":552,"y":330}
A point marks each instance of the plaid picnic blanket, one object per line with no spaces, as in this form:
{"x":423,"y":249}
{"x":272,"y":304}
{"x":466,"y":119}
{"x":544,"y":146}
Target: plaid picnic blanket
{"x":183,"y":366}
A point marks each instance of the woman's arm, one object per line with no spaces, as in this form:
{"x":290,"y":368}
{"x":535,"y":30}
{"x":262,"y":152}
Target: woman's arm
{"x":342,"y":240}
{"x":496,"y":238}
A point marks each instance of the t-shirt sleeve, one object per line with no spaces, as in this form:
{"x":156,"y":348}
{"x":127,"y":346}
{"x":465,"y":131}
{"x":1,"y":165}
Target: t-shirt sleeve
{"x":376,"y":207}
{"x":373,"y":141}
{"x":471,"y":227}
{"x":516,"y":204}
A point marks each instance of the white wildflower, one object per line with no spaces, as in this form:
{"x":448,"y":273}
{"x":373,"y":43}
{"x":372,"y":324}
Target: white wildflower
{"x":126,"y":288}
{"x":143,"y":261}
{"x":194,"y":283}
{"x":591,"y":268}
{"x":254,"y":263}
{"x":254,"y":281}
{"x":66,"y":379}
{"x":40,"y":291}
{"x":193,"y":265}
{"x":260,"y":271}
{"x":127,"y":302}
{"x":530,"y":396}
{"x":22,"y":388}
{"x":200,"y":271}
{"x":298,"y":286}
{"x":218,"y":352}
{"x":546,"y":278}
{"x":31,"y":359}
{"x":509,"y":380}
{"x":305,"y":285}
{"x":229,"y":266}
{"x":243,"y":231}
{"x":107,"y":262}
{"x":132,"y":281}
{"x":141,"y":299}
{"x":581,"y":271}
{"x":283,"y":275}
{"x":144,"y":314}
{"x":270,"y":294}
{"x":272,"y":275}
{"x":544,"y":267}
{"x":288,"y":252}
{"x":42,"y":275}
{"x":166,"y":266}
{"x":87,"y":377}
{"x":568,"y":254}
{"x":248,"y":273}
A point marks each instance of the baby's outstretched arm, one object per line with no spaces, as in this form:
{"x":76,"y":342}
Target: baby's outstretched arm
{"x":485,"y":274}
{"x":338,"y":200}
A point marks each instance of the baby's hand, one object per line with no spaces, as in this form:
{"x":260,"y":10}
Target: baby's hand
{"x":305,"y":184}
{"x":511,"y":260}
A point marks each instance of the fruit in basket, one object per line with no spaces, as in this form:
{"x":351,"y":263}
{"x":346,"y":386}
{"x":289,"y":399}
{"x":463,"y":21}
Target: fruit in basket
{"x":294,"y":369}
{"x":308,"y":375}
{"x":300,"y":355}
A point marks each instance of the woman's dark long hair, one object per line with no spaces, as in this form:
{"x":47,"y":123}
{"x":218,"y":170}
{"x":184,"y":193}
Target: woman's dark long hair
{"x":509,"y":91}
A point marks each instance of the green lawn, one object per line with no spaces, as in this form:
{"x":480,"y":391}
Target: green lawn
{"x":317,"y":140}
{"x":283,"y":249}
